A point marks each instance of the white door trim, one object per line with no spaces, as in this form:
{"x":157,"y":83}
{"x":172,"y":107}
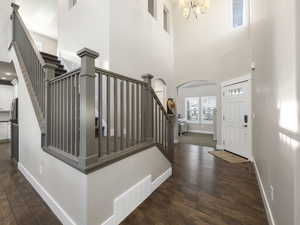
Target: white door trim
{"x":237,"y":80}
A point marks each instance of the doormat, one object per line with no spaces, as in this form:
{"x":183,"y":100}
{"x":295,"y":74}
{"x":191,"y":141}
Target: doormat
{"x":229,"y":157}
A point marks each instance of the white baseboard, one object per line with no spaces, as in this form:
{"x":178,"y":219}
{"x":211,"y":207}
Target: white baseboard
{"x":264,"y":196}
{"x":161,"y":179}
{"x":201,"y":132}
{"x":54,"y":206}
{"x":123,"y":205}
{"x":133,"y":197}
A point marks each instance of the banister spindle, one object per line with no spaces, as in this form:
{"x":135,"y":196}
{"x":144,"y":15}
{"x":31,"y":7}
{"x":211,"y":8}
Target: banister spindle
{"x":171,"y":125}
{"x":147,"y":115}
{"x":46,"y":128}
{"x":88,"y":151}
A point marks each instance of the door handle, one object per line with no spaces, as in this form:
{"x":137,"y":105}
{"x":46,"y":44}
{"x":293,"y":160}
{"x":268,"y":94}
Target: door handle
{"x":245,"y":118}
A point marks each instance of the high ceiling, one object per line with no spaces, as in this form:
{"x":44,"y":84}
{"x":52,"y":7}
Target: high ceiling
{"x":40,"y":16}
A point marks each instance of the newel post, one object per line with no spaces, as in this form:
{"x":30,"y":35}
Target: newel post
{"x":88,"y":150}
{"x":49,"y":74}
{"x":13,"y":19}
{"x":171,"y":136}
{"x":147,"y":103}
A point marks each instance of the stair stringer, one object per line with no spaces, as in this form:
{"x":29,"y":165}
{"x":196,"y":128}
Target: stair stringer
{"x":18,"y":60}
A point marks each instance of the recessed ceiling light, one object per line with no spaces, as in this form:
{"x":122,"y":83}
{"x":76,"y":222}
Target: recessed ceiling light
{"x":4,"y":78}
{"x":8,"y":74}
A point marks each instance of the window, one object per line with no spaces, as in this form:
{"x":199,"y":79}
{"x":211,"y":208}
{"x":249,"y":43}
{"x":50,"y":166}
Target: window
{"x":238,"y":12}
{"x":208,"y":106}
{"x":192,"y":109}
{"x":72,"y":3}
{"x":166,"y":19}
{"x":200,"y":109}
{"x":151,"y":7}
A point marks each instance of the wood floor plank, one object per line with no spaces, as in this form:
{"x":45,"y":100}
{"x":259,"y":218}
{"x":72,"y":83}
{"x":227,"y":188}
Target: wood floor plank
{"x":203,"y":190}
{"x":19,"y":202}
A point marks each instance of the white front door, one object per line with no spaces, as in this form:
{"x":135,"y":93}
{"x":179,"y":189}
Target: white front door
{"x":236,"y":118}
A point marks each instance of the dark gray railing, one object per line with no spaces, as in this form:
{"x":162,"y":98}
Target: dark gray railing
{"x":31,"y":57}
{"x":89,"y":127}
{"x":63,"y":125}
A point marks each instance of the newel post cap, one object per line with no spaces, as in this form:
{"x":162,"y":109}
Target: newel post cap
{"x":88,"y":52}
{"x":15,"y":6}
{"x":147,"y":76}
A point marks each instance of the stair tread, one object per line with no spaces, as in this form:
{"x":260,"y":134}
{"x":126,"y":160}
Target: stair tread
{"x":52,"y":59}
{"x":48,"y":55}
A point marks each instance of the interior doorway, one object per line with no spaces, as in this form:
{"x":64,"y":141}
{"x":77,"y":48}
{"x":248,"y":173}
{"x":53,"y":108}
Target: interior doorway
{"x":8,"y":95}
{"x":197,"y":103}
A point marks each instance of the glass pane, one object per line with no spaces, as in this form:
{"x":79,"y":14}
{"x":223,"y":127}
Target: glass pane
{"x":208,"y":104}
{"x":238,"y":12}
{"x":193,"y":109}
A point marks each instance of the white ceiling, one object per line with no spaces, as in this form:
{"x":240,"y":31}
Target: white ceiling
{"x":40,"y":16}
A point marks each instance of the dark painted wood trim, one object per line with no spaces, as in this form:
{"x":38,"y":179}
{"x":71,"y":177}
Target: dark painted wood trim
{"x":6,"y":82}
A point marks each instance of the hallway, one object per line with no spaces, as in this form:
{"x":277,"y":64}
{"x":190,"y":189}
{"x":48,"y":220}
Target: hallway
{"x":203,"y":191}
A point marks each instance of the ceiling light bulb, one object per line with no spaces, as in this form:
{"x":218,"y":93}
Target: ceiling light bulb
{"x":8,"y":74}
{"x":4,"y":78}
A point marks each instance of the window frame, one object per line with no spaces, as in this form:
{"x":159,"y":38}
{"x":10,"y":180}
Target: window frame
{"x":200,"y":109}
{"x":244,"y":19}
{"x":166,"y":19}
{"x":186,"y":110}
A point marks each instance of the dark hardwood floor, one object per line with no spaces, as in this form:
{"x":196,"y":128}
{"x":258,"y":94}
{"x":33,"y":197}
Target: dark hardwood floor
{"x":202,"y":191}
{"x":19,"y":203}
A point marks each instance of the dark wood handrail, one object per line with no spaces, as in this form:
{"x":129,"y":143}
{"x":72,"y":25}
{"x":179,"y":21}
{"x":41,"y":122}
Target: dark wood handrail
{"x":159,"y":103}
{"x":119,"y":76}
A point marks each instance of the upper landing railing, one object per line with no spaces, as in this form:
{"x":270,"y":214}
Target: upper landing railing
{"x":93,"y":117}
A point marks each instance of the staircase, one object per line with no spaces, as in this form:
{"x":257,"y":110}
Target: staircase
{"x":52,"y":59}
{"x":66,"y":105}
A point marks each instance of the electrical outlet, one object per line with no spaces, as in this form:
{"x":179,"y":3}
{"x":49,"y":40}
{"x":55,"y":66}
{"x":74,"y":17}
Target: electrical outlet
{"x":272,"y":193}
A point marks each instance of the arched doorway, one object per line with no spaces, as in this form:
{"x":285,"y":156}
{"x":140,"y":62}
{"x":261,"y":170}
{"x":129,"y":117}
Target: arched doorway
{"x":197,"y":103}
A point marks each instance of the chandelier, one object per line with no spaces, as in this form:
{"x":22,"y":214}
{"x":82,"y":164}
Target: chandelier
{"x":193,"y":8}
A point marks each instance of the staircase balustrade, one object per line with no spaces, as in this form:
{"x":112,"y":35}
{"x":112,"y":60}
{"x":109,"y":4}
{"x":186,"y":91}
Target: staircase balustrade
{"x":92,"y":117}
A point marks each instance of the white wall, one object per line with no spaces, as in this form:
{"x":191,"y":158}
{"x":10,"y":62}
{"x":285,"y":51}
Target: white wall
{"x":6,"y":96}
{"x":138,"y":42}
{"x":84,"y":25}
{"x":210,"y":48}
{"x":204,"y":90}
{"x":276,"y":104}
{"x":48,"y":45}
{"x":5,"y":29}
{"x":39,"y":16}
